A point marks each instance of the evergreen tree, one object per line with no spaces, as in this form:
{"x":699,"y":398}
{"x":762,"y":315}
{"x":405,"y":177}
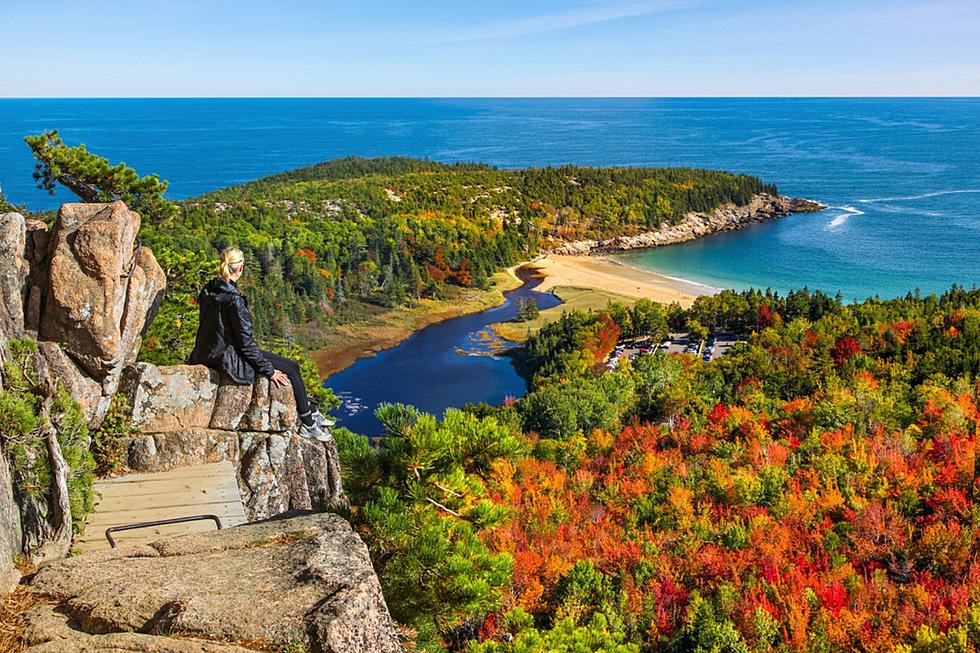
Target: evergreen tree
{"x":425,"y":506}
{"x":93,"y":179}
{"x":532,"y":310}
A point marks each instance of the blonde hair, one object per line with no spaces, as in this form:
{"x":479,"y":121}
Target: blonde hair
{"x":231,"y":262}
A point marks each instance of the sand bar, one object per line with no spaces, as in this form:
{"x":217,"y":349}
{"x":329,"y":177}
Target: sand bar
{"x":606,"y":273}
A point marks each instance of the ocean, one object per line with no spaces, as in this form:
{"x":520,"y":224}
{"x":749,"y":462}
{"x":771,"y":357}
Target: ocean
{"x":902,"y":178}
{"x":902,"y":175}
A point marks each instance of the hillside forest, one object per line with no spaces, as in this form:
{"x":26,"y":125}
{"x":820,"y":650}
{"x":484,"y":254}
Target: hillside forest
{"x":811,"y":491}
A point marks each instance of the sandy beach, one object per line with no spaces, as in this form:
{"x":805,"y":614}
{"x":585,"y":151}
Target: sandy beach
{"x":605,"y":273}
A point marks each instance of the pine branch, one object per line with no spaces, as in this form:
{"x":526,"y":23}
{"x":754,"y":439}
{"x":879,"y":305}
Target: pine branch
{"x":442,"y":507}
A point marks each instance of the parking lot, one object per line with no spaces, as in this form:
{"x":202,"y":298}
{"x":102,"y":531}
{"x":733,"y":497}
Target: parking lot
{"x":678,"y":343}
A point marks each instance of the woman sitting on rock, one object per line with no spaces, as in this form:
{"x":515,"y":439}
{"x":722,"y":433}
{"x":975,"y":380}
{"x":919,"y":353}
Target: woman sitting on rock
{"x":225,"y":343}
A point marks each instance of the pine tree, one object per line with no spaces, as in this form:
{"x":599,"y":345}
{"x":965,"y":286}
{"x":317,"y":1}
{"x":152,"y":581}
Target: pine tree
{"x":425,"y":507}
{"x":93,"y":179}
{"x":532,"y":310}
{"x":527,"y":310}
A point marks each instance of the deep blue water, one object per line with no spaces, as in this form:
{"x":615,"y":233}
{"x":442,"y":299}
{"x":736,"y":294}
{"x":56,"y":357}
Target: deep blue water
{"x":443,"y":365}
{"x":903,"y":176}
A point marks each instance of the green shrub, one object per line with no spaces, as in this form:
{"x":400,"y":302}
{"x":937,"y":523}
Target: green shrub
{"x":110,"y":439}
{"x":704,"y":632}
{"x":564,"y":637}
{"x":24,"y":428}
{"x":67,"y":418}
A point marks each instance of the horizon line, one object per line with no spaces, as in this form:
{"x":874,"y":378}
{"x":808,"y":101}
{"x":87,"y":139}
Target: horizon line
{"x":488,"y":97}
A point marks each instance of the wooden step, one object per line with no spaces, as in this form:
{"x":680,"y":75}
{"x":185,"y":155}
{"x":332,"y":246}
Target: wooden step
{"x":201,"y":489}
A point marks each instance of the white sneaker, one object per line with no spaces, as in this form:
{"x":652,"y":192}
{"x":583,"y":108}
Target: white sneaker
{"x":314,"y":432}
{"x":322,"y":420}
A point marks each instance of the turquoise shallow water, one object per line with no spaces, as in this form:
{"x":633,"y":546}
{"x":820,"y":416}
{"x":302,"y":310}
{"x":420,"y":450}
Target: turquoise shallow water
{"x":902,"y":178}
{"x":902,"y":174}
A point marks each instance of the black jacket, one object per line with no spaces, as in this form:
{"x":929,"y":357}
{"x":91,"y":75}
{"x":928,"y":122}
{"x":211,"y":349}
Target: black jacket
{"x":224,"y":334}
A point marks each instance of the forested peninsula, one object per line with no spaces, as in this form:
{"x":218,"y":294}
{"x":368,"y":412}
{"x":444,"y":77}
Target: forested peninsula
{"x":345,"y":240}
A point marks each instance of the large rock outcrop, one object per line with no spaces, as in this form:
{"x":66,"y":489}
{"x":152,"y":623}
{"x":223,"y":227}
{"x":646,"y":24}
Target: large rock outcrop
{"x":14,"y":270}
{"x":84,"y":291}
{"x":100,"y":287}
{"x":85,"y":288}
{"x":191,"y":415}
{"x":762,"y":208}
{"x":305,"y":581}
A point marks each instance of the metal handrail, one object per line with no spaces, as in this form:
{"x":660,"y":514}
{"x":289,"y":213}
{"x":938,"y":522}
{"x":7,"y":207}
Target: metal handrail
{"x":160,"y":522}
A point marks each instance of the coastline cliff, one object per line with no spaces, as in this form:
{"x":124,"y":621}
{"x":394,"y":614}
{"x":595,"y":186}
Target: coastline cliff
{"x":76,"y":300}
{"x":762,"y":208}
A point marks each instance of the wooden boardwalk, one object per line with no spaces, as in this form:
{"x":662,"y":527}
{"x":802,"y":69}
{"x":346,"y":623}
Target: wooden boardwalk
{"x":182,"y":492}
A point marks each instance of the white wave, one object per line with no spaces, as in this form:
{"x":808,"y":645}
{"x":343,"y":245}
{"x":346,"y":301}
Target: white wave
{"x":919,"y":197}
{"x":708,"y":289}
{"x":839,"y":219}
{"x":905,"y":210}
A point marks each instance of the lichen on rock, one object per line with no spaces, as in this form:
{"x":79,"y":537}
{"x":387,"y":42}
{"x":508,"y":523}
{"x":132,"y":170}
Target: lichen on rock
{"x":305,"y":581}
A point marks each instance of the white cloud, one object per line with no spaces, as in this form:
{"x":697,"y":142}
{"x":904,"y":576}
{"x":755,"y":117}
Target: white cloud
{"x":507,"y":29}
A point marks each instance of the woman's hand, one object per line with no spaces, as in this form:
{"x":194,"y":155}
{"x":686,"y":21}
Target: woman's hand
{"x":279,"y":378}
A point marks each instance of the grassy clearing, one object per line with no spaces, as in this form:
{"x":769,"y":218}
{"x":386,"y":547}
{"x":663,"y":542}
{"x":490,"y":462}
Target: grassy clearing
{"x":573,"y":298}
{"x":380,"y":329}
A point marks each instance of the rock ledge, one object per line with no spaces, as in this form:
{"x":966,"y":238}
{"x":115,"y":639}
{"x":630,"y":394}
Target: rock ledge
{"x":301,"y":581}
{"x":189,"y":415}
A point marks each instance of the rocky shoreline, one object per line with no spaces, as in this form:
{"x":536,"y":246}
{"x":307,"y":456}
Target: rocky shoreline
{"x":762,"y":208}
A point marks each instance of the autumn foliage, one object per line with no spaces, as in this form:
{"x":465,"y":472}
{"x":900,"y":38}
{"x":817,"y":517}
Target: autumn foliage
{"x":856,"y":541}
{"x":824,"y":502}
{"x":811,"y":491}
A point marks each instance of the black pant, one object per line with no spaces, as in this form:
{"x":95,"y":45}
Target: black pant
{"x":291,"y":369}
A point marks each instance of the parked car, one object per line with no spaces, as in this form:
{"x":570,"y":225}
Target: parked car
{"x":706,"y":358}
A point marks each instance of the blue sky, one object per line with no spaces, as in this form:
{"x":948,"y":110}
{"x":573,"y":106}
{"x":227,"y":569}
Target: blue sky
{"x":79,"y":48}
